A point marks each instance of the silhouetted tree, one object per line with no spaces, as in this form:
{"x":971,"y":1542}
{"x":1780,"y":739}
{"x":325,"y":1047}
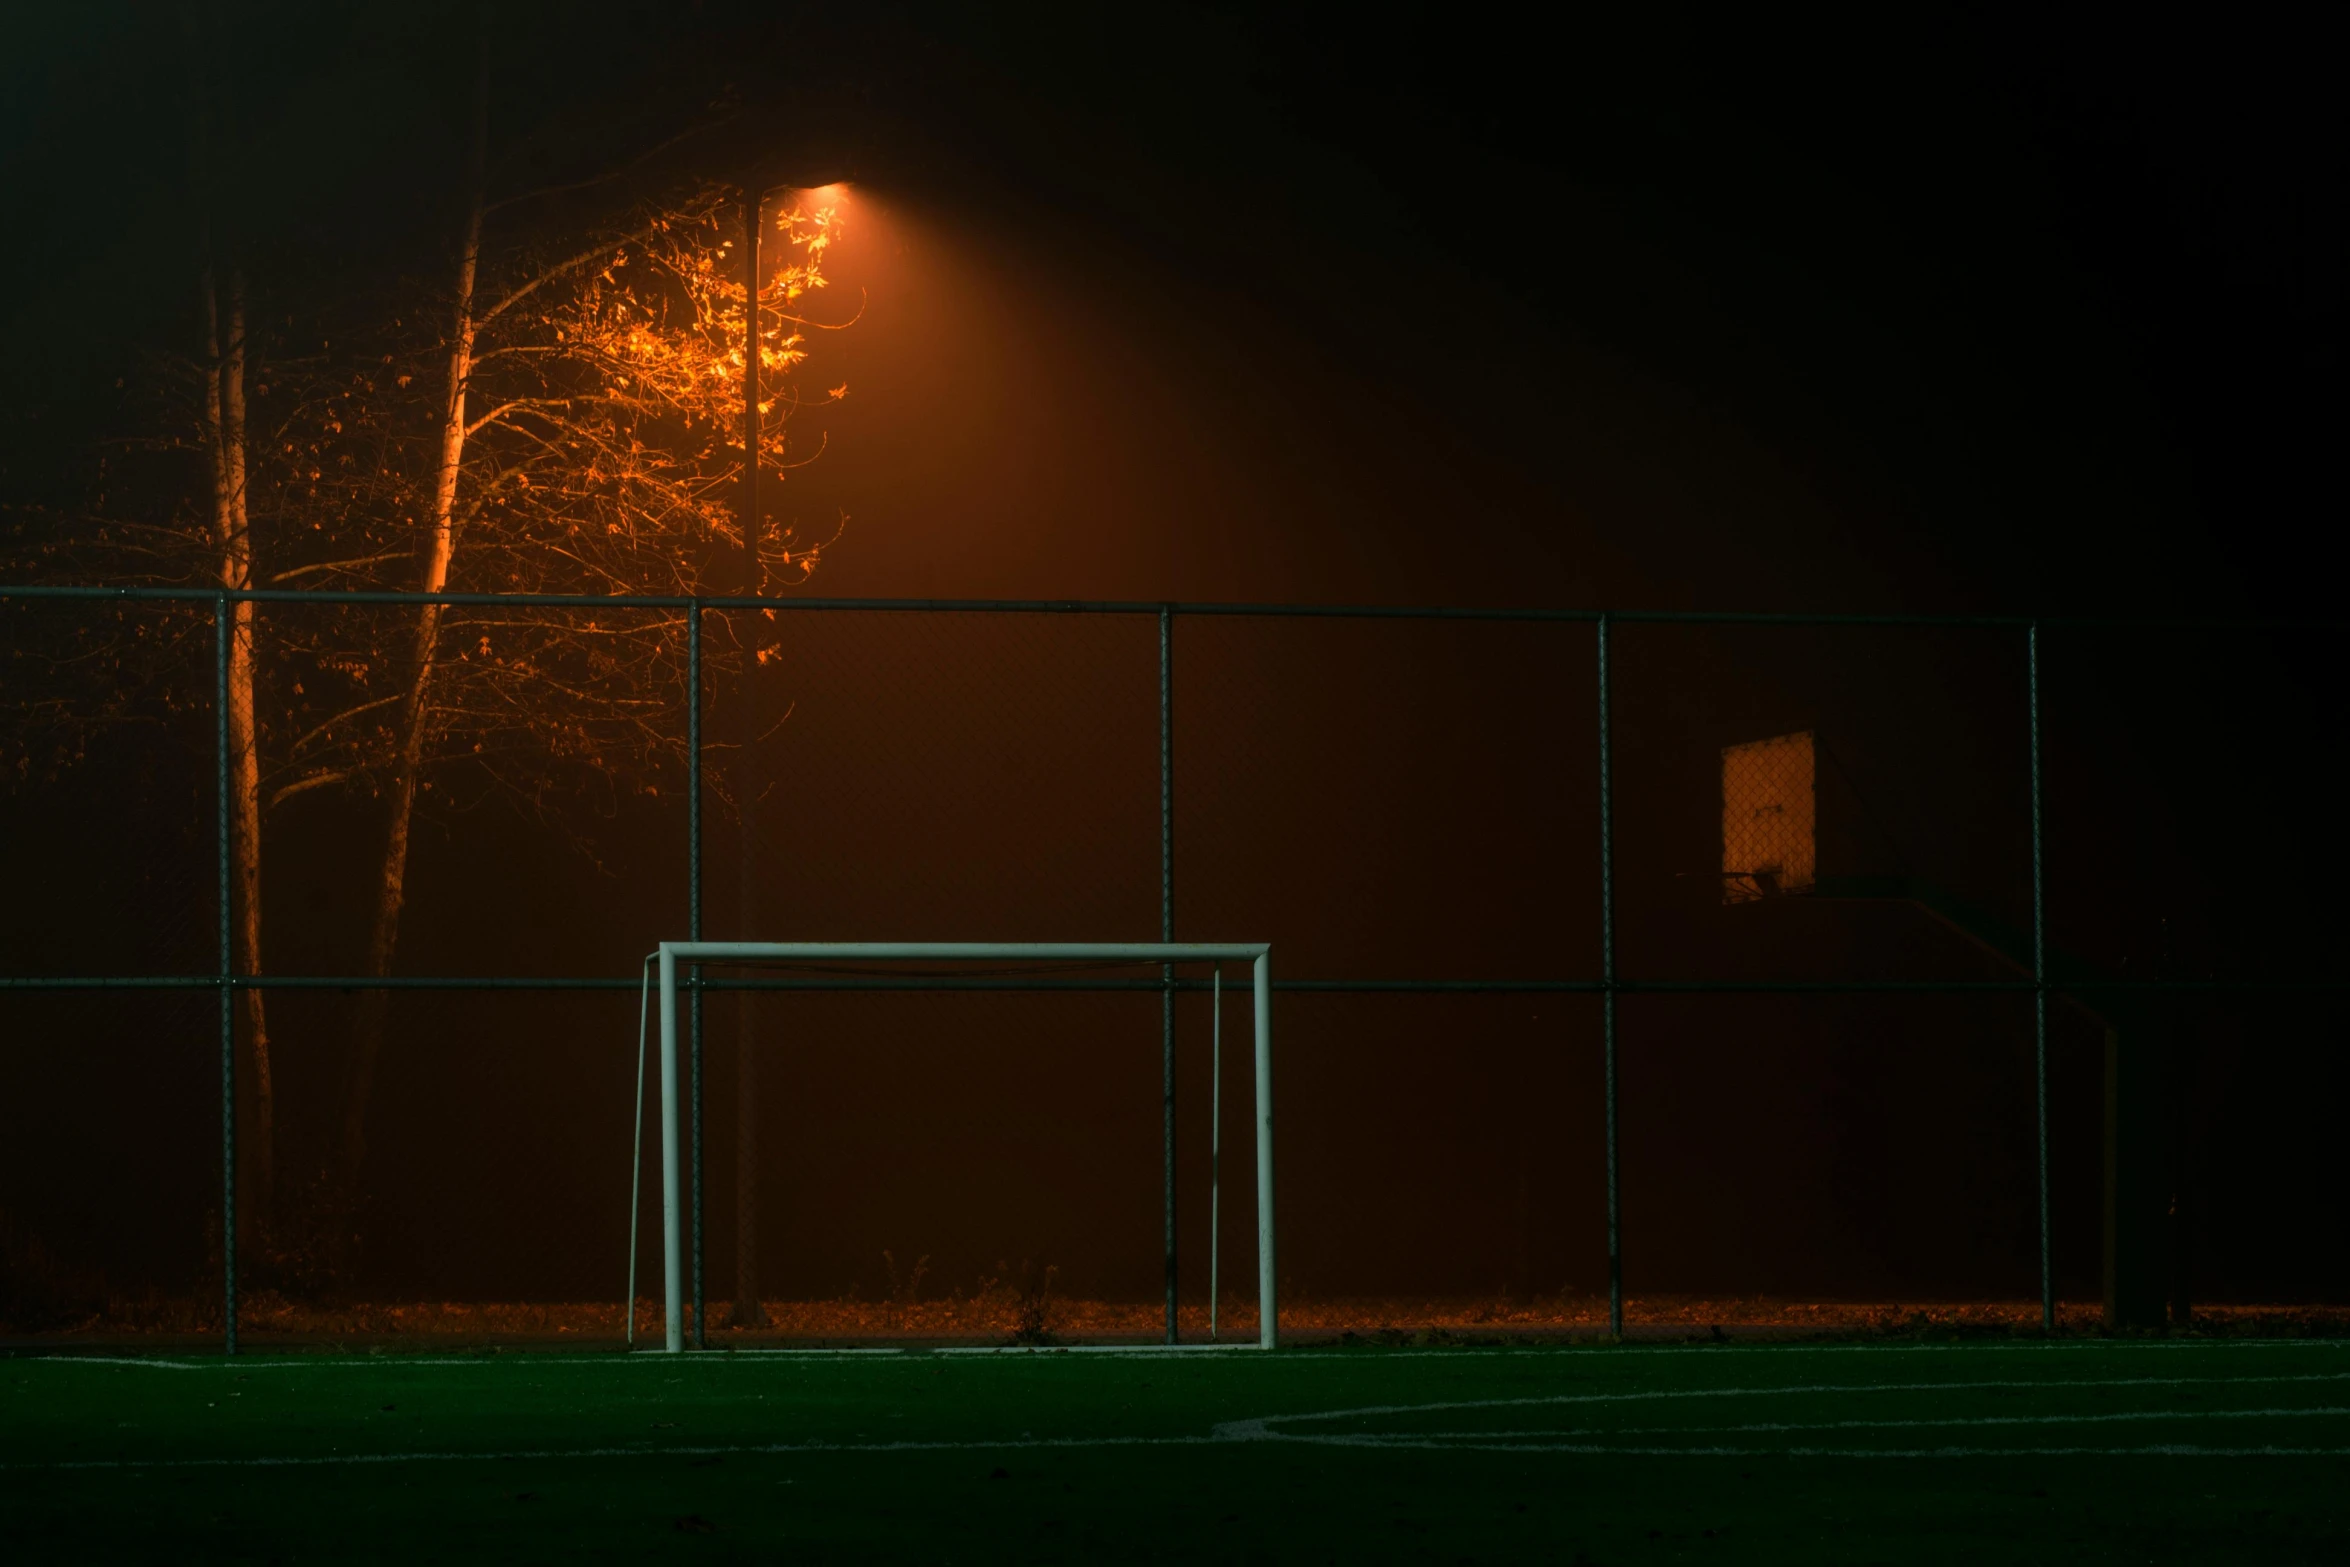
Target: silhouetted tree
{"x":561,"y":414}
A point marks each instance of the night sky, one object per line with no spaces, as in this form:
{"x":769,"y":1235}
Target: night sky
{"x":1655,"y":310}
{"x":1644,"y":310}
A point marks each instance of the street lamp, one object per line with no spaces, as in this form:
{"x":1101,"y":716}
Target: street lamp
{"x":755,"y":196}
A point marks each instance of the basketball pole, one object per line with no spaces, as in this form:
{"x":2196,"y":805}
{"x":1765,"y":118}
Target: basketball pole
{"x":1607,"y":1001}
{"x":2039,"y":982}
{"x":1268,"y":1316}
{"x":1167,"y":934}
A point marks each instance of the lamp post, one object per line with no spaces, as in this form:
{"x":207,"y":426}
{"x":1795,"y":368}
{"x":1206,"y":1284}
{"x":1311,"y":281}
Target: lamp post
{"x":748,"y":1313}
{"x":757,"y":646}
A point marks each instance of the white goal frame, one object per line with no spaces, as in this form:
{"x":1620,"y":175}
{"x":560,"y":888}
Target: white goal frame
{"x":672,"y":953}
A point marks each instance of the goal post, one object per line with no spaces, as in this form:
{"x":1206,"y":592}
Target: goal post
{"x":1258,"y":955}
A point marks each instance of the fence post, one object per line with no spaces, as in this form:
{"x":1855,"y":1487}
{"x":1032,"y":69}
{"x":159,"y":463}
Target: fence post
{"x":1167,"y":933}
{"x":693,"y":925}
{"x":224,"y":627}
{"x":1607,"y":999}
{"x":2039,"y":983}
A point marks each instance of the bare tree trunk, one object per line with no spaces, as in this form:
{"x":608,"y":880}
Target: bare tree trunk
{"x":415,"y":706}
{"x":224,"y":417}
{"x":748,"y":1313}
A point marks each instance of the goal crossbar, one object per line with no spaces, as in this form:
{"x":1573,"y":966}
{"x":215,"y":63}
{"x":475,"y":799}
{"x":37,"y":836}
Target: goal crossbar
{"x":1258,"y":955}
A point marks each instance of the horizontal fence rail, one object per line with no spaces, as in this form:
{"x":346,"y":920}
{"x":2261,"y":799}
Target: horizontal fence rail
{"x":1173,"y":607}
{"x":947,"y":982}
{"x":2047,"y":977}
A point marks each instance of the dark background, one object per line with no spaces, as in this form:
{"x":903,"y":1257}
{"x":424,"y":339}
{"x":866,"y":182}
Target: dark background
{"x":1435,"y":307}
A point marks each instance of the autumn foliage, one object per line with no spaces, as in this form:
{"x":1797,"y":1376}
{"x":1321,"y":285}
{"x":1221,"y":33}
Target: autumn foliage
{"x":562,"y":412}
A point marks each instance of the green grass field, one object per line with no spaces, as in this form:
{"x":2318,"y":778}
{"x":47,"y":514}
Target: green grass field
{"x":2074,"y":1451}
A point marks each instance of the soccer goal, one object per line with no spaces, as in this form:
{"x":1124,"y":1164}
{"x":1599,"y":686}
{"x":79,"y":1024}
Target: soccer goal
{"x":672,"y":954}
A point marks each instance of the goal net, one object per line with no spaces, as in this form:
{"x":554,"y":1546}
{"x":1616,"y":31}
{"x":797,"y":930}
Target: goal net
{"x":669,"y":971}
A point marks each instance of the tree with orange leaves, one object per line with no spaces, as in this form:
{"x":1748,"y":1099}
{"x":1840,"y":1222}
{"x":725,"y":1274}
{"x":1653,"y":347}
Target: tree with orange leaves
{"x":585,"y":437}
{"x":564,"y":414}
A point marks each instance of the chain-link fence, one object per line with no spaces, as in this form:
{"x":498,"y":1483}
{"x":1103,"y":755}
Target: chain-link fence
{"x":1634,"y":971}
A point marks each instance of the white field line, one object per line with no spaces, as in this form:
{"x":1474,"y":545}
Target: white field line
{"x":777,"y":1449}
{"x":1264,"y":1423}
{"x":1620,"y":1450}
{"x":866,"y":1355}
{"x":1259,"y":1430}
{"x":2329,"y":1411}
{"x":1029,"y":1444}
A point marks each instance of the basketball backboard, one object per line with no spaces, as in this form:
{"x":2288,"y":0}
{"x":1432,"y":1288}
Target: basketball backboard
{"x":1769,"y":812}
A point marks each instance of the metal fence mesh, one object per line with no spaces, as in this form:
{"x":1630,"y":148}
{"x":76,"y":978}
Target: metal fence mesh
{"x":1827,"y":933}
